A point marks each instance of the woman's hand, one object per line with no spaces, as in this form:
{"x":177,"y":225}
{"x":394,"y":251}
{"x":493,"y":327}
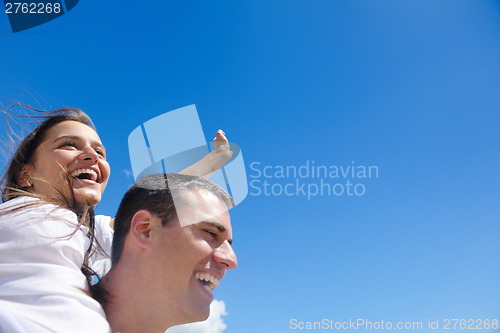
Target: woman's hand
{"x":221,"y":150}
{"x":214,"y":160}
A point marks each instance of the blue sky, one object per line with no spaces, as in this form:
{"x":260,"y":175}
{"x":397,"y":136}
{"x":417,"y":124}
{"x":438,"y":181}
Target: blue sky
{"x":411,"y":87}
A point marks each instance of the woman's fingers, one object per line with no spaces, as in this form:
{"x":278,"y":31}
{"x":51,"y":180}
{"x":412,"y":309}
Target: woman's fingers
{"x":221,"y":145}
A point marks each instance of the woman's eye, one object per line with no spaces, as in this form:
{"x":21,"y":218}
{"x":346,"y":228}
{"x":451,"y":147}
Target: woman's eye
{"x":100,"y":152}
{"x":68,"y":144}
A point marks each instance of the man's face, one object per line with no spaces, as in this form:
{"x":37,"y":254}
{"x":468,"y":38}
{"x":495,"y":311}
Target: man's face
{"x":193,"y":258}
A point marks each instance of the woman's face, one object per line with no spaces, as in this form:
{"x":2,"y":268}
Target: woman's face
{"x":73,"y":148}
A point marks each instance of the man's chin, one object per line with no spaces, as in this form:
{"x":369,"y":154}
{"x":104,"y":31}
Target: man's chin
{"x":195,"y":318}
{"x":201,"y":315}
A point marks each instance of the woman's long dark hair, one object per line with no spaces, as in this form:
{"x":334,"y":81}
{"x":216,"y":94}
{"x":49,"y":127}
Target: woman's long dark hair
{"x":25,"y":153}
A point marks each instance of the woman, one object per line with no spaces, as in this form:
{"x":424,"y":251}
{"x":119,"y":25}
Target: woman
{"x":48,"y":231}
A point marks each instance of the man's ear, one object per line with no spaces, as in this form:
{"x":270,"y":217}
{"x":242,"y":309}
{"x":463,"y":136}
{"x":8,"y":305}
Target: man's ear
{"x":23,"y":177}
{"x":141,"y":225}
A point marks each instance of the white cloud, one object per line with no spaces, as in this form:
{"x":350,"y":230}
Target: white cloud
{"x":128,"y":173}
{"x":214,"y":323}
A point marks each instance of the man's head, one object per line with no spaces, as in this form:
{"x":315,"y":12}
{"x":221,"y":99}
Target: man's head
{"x":176,"y":231}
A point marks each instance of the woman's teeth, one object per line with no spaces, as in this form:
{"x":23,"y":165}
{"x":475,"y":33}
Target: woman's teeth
{"x":85,"y":174}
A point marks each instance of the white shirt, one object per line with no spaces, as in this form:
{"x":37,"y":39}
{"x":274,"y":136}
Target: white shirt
{"x":100,"y":260}
{"x":41,"y":285}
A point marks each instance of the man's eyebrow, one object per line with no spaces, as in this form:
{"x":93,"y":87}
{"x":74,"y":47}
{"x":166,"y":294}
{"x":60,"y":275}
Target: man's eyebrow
{"x":218,"y":226}
{"x":75,"y":137}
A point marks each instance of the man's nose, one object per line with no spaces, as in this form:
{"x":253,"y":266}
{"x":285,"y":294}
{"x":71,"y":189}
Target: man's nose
{"x":224,"y":255}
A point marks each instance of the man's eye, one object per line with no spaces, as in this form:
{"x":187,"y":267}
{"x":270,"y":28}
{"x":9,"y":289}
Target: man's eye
{"x":211,"y":233}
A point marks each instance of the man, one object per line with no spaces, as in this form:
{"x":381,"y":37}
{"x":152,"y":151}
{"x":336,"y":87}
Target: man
{"x":171,"y":248}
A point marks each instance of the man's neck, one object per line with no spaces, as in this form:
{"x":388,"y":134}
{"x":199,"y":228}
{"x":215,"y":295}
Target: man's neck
{"x":126,"y":307}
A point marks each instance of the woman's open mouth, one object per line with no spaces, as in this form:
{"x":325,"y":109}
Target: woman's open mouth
{"x":85,"y":174}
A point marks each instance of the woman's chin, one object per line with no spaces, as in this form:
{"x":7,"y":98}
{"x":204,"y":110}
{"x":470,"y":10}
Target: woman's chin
{"x":87,"y":196}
